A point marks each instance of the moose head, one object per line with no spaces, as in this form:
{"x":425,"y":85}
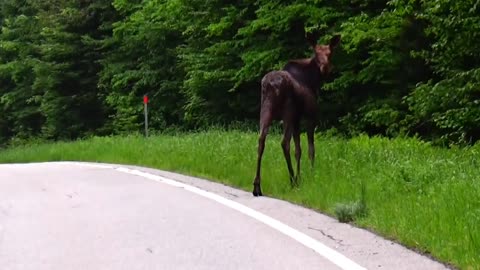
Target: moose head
{"x":322,"y":52}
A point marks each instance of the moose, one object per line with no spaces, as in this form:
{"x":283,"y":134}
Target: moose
{"x":290,"y":95}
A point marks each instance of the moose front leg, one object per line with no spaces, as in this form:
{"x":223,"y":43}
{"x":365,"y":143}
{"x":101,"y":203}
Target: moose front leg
{"x":298,"y":151}
{"x":311,"y":143}
{"x":287,"y":136}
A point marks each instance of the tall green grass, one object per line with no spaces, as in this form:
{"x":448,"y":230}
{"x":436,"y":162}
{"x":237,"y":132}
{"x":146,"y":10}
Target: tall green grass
{"x":424,"y":197}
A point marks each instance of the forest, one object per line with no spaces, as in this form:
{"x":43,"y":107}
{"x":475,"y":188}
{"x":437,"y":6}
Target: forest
{"x":72,"y":69}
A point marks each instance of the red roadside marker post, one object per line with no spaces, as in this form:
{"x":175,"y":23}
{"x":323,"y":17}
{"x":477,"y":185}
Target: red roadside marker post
{"x":145,"y":110}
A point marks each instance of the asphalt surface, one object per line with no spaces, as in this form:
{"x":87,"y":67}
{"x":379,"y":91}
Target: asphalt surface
{"x":75,"y":216}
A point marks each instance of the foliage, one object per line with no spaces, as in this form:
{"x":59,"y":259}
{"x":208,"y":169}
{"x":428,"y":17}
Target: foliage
{"x":20,"y":114}
{"x":70,"y":69}
{"x":141,"y":59}
{"x":448,"y":102}
{"x":49,"y":69}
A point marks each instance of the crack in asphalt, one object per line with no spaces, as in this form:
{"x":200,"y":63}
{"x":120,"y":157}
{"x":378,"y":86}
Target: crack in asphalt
{"x":338,"y":241}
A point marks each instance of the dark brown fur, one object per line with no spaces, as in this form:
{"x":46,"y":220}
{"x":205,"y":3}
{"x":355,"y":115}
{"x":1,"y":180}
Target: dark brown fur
{"x":290,"y":95}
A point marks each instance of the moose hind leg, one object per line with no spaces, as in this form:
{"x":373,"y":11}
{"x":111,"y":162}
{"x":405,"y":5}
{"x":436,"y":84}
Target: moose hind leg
{"x":265,"y":122}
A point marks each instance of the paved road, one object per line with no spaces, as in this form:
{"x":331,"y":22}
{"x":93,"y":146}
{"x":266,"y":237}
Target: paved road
{"x":78,"y":216}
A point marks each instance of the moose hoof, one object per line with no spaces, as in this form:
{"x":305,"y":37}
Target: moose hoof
{"x":257,"y":191}
{"x":297,"y":181}
{"x":293,"y":181}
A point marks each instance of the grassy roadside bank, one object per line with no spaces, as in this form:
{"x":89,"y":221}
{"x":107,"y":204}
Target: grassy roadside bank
{"x":425,"y":197}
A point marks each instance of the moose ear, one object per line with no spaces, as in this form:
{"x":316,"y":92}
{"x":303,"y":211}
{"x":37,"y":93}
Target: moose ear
{"x":334,"y":41}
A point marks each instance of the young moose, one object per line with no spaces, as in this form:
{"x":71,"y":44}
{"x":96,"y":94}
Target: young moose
{"x":290,"y":95}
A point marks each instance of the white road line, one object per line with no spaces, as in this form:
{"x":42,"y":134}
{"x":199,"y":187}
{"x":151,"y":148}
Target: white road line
{"x":328,"y":253}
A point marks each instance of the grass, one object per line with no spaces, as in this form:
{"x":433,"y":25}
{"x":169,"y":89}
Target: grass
{"x":427,"y":198}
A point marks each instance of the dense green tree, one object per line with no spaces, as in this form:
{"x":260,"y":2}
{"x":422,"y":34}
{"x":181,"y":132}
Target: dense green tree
{"x":49,"y":68}
{"x":447,"y":104}
{"x":20,"y":114}
{"x":67,"y":71}
{"x":143,"y":60}
{"x":211,"y":58}
{"x":379,"y":68}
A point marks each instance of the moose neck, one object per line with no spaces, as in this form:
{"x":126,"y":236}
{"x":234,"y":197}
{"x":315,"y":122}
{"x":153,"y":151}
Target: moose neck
{"x":306,"y":72}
